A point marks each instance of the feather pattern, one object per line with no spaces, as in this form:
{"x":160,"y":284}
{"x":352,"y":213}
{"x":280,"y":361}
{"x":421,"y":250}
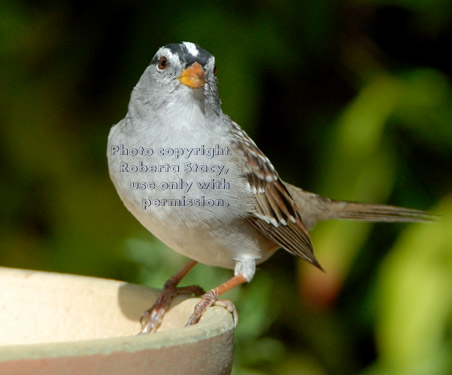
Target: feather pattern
{"x":275,"y":213}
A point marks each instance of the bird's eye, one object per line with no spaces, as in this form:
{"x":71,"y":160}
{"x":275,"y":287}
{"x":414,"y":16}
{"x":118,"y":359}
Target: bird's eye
{"x":215,"y":70}
{"x":163,"y":63}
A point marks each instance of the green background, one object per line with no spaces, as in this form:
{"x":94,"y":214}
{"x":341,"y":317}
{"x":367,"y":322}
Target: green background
{"x":350,"y":99}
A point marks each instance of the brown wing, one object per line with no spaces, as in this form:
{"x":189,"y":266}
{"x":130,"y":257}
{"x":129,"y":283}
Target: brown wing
{"x":275,"y":213}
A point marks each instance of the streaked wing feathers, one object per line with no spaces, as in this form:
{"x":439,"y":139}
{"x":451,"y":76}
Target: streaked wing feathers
{"x":275,"y":213}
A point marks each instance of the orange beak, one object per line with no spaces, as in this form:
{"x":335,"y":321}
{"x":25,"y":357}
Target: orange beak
{"x":193,"y":76}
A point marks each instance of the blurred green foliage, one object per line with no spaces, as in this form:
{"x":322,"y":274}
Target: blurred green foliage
{"x":350,"y":99}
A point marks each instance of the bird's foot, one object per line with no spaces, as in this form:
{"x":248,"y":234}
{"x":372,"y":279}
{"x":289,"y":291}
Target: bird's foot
{"x":152,"y":317}
{"x":207,"y":300}
{"x":210,"y":298}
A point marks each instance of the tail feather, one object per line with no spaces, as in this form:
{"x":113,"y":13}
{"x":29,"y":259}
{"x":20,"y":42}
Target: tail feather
{"x":376,"y":212}
{"x":313,"y":208}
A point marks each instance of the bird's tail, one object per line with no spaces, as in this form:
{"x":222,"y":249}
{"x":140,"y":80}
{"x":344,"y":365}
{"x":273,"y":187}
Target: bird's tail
{"x":313,"y":208}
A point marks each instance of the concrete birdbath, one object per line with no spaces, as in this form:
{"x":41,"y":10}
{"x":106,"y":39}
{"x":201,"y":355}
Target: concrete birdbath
{"x":65,"y":324}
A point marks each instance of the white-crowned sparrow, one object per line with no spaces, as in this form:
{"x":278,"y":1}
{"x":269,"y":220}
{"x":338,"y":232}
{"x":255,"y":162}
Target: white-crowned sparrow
{"x":199,"y":183}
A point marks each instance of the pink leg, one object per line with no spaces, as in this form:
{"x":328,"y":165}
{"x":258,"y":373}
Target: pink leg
{"x":209,"y":298}
{"x":152,"y":317}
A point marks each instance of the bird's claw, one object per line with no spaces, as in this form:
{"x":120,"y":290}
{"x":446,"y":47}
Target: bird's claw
{"x":152,"y":317}
{"x":230,"y":307}
{"x":207,"y":300}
